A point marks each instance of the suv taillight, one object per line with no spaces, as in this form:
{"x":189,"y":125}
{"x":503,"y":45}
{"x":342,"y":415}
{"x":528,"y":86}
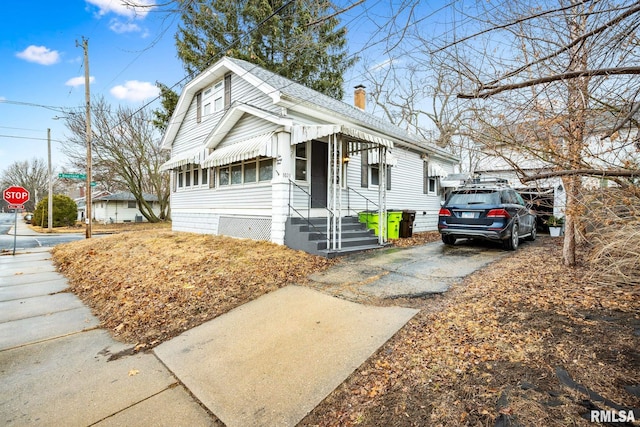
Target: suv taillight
{"x":444,"y":212}
{"x":498,"y":213}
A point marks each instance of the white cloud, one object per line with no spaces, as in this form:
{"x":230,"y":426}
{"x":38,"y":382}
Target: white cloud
{"x":133,"y":90}
{"x":78,"y":81}
{"x":119,"y":7}
{"x":121,"y":27}
{"x":40,"y":55}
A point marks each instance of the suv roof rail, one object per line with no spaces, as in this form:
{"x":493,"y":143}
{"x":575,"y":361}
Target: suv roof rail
{"x":485,"y":182}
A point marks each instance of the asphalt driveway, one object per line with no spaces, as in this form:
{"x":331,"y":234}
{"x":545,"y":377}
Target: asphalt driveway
{"x":406,"y":272}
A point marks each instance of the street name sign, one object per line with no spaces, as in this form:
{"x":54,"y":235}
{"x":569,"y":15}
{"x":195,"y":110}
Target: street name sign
{"x":72,"y":175}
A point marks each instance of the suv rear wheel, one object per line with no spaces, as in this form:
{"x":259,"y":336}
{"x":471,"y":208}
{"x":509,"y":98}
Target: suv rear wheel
{"x":511,"y":243}
{"x":534,"y":233}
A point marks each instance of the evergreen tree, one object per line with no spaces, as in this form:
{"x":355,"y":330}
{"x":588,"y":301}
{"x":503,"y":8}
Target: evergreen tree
{"x":292,"y":38}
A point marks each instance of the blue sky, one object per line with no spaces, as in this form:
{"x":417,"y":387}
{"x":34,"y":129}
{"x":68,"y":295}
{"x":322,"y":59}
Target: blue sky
{"x":40,"y":64}
{"x":41,"y":68}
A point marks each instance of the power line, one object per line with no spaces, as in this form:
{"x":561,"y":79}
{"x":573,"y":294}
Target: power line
{"x":57,"y":109}
{"x":29,"y":137}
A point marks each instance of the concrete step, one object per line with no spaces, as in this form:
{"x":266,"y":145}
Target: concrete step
{"x":350,"y":242}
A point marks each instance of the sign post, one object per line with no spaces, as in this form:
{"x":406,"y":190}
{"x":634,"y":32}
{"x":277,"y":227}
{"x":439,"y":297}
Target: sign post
{"x":16,"y":197}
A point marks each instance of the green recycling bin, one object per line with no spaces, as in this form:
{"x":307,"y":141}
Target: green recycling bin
{"x":393,"y":224}
{"x":372,"y":220}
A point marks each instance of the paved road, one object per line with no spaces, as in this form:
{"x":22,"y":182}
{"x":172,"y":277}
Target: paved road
{"x":26,"y":238}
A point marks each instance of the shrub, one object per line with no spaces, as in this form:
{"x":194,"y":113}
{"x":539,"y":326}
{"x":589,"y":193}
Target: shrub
{"x":65,"y":212}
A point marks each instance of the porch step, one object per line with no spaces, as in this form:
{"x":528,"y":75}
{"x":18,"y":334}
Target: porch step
{"x":346,"y":251}
{"x":370,"y":240}
{"x":311,"y":236}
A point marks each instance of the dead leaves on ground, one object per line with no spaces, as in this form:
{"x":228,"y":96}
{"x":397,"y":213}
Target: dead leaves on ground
{"x":488,"y":349}
{"x":147,"y":287}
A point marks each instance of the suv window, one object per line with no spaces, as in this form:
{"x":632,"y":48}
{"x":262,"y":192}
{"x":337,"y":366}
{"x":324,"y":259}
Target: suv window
{"x":507,"y":197}
{"x":474,"y":197}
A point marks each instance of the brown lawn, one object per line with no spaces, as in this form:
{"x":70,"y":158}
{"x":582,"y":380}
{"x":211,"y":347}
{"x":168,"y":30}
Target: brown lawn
{"x":490,"y":350}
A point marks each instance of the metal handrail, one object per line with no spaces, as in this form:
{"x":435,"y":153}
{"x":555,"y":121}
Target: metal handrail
{"x":367,"y":201}
{"x":310,"y":198}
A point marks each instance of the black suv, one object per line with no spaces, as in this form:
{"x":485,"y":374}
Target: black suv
{"x":490,"y":212}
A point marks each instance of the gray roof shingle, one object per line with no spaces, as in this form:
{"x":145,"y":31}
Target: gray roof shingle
{"x":302,"y":94}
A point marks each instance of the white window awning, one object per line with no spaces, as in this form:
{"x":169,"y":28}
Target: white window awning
{"x":303,"y":133}
{"x":373,"y":158}
{"x":435,"y":170}
{"x":261,"y":145}
{"x":193,"y":157}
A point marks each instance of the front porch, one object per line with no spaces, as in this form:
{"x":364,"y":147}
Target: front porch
{"x":322,"y":203}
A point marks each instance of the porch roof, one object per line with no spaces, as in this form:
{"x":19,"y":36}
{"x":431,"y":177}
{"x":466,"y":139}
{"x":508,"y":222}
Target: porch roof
{"x":194,"y":156}
{"x":261,"y":145}
{"x":302,"y":133}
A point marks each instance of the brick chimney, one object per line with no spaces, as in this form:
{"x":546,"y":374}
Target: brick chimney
{"x":359,"y":97}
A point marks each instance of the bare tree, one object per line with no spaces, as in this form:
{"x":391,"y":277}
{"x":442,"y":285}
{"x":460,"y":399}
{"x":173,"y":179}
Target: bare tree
{"x":32,"y":175}
{"x":559,"y":80}
{"x":126,"y":153}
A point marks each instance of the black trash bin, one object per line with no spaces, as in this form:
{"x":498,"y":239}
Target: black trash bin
{"x":406,"y":225}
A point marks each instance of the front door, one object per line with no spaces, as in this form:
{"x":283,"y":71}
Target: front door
{"x":319,"y":175}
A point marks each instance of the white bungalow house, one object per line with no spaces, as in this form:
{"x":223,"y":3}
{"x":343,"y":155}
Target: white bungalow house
{"x":255,"y":155}
{"x":120,"y":207}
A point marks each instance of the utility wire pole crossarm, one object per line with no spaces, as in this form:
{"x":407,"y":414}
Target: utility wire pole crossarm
{"x":87,"y":95}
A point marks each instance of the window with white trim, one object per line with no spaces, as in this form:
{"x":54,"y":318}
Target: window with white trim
{"x":433,"y":185}
{"x":301,"y":162}
{"x":247,"y":172}
{"x":374,"y":178}
{"x":430,"y":183}
{"x":191,"y":176}
{"x":212,"y":99}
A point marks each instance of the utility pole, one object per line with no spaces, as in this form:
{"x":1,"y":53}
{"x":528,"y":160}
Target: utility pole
{"x":87,"y":96}
{"x":50,"y":199}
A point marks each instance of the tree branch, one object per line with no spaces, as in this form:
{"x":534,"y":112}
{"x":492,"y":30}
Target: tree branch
{"x":586,"y":172}
{"x":490,"y":91}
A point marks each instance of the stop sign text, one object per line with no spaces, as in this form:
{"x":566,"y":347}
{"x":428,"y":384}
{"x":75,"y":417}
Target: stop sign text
{"x":15,"y":195}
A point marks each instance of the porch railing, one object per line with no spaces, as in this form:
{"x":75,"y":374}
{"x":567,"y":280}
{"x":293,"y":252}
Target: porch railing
{"x":307,"y":218}
{"x":367,"y":202}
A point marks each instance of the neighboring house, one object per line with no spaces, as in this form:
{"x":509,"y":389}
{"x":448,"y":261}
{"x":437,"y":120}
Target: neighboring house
{"x":621,"y":150}
{"x":81,"y":202}
{"x":253,"y":153}
{"x":121,"y":207}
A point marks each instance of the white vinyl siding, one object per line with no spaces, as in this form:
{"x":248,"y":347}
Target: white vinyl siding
{"x":407,"y":193}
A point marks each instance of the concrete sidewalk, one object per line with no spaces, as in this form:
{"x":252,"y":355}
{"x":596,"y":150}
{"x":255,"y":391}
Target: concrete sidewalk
{"x":266,"y":363}
{"x":54,"y":360}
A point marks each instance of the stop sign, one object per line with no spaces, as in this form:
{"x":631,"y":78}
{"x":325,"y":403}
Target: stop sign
{"x":16,"y":195}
